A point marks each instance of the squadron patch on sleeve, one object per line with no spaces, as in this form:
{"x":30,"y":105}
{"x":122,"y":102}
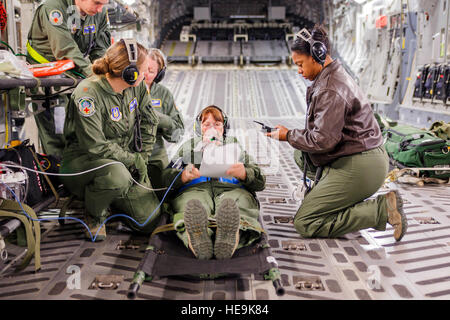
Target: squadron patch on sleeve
{"x":156,"y":103}
{"x":133,"y":105}
{"x":116,"y":115}
{"x":86,"y":106}
{"x":56,"y":17}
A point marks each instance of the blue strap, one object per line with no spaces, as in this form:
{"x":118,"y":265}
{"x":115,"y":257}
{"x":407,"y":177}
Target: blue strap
{"x":206,"y":179}
{"x":226,"y":180}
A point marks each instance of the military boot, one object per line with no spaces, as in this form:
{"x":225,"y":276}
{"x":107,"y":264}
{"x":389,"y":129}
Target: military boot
{"x":93,"y":227}
{"x":396,"y":216}
{"x":227,"y":235}
{"x":196,"y":224}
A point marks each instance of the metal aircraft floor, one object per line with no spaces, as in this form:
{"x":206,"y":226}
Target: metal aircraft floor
{"x":362,"y":266}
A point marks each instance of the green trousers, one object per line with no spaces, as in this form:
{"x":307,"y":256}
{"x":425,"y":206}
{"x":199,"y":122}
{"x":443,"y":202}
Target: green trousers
{"x":336,"y":206}
{"x":158,"y":161}
{"x":211,"y":198}
{"x":50,"y":124}
{"x":111,"y":187}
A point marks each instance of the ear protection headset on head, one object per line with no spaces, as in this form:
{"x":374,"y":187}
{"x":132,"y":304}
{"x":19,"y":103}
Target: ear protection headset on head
{"x":160,"y":76}
{"x":131,"y":72}
{"x":198,"y":122}
{"x":318,"y":49}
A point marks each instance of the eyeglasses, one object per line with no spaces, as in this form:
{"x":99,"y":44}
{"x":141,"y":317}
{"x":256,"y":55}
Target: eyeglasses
{"x":215,"y":124}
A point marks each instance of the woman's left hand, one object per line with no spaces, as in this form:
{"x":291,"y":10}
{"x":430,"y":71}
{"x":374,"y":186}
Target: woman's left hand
{"x":237,"y":170}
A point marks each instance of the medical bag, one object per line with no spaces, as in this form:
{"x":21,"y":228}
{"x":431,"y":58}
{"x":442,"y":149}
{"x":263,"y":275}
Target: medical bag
{"x":37,"y":187}
{"x":416,"y":148}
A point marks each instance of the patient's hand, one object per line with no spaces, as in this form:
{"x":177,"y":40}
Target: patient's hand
{"x":189,"y":174}
{"x":237,"y":170}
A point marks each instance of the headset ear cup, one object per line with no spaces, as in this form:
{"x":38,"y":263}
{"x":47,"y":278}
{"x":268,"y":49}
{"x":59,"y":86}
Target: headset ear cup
{"x":319,"y":52}
{"x":130,"y":74}
{"x":160,"y":76}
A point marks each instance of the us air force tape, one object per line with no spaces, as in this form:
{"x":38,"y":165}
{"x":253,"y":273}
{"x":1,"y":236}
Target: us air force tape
{"x":86,"y":106}
{"x":55,"y":17}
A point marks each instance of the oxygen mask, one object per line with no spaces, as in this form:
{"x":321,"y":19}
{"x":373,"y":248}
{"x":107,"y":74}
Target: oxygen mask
{"x":212,"y":136}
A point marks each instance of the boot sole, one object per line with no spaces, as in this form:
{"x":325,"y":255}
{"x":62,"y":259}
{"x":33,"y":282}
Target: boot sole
{"x":404,"y":220}
{"x":196,"y":223}
{"x":228,"y":220}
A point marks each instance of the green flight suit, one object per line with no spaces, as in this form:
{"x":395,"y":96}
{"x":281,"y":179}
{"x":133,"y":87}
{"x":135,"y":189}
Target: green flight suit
{"x":335,"y":206}
{"x":100,"y":128}
{"x":58,"y":32}
{"x":211,"y":193}
{"x":170,"y":127}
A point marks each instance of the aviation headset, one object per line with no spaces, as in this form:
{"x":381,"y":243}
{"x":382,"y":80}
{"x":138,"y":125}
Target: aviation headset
{"x":160,"y":76}
{"x":318,"y":49}
{"x":130,"y":73}
{"x":198,"y":122}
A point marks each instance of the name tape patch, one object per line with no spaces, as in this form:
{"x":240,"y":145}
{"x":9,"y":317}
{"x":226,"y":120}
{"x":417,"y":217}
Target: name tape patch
{"x":156,"y":103}
{"x":133,"y":105}
{"x":89,"y":29}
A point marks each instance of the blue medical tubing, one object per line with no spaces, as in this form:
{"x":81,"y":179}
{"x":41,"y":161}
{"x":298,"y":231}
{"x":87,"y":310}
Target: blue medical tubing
{"x":104,"y":222}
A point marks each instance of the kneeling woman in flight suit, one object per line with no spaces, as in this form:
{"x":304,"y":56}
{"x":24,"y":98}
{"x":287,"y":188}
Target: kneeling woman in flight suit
{"x":229,"y":200}
{"x":342,"y":138}
{"x":102,"y":126}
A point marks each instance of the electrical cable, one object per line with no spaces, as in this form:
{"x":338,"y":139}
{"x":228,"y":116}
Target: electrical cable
{"x":93,"y":238}
{"x":9,"y":47}
{"x":79,"y":173}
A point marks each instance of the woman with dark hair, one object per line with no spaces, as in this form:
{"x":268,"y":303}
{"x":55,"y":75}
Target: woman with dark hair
{"x":341,"y":147}
{"x":229,"y":201}
{"x":102,"y":126}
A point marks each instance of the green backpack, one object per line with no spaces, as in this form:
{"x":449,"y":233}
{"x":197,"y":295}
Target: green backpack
{"x":416,"y":148}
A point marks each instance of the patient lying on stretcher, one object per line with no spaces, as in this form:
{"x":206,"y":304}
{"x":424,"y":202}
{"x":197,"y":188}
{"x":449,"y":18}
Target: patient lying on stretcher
{"x":215,"y":216}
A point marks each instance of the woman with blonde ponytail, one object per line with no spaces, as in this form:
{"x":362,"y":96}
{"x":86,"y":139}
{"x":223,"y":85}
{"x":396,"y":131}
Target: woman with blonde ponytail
{"x":103,"y":126}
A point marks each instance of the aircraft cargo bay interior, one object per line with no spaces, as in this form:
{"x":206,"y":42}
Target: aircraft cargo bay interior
{"x":243,"y":59}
